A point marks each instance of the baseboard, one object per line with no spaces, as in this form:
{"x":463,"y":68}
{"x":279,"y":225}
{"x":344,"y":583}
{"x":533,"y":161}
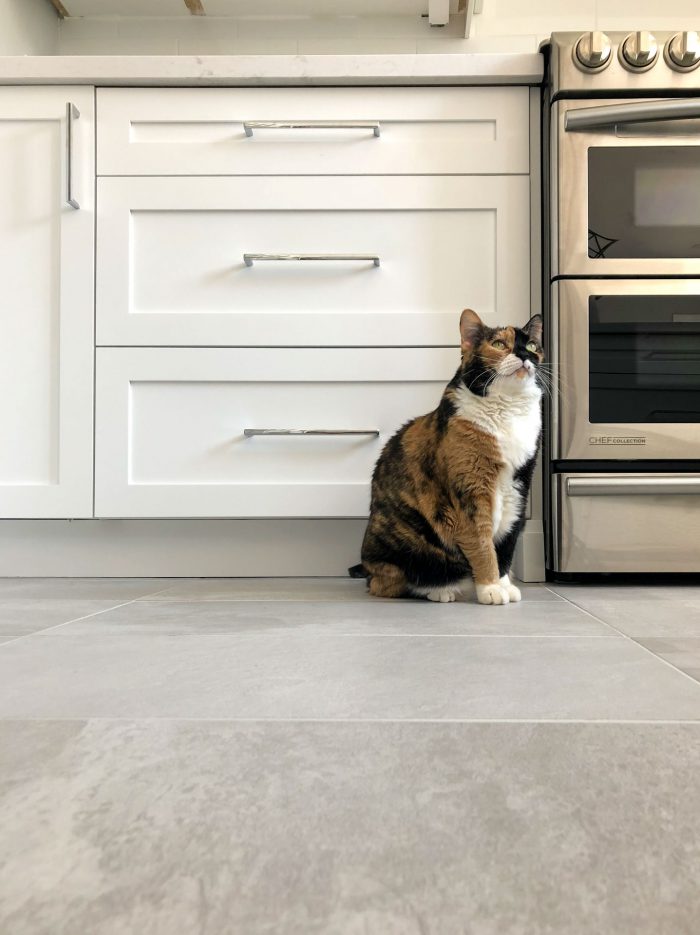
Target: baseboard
{"x":203,"y":548}
{"x":178,"y":548}
{"x":528,"y":562}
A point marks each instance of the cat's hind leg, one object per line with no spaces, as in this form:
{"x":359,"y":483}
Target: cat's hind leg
{"x":387,"y":581}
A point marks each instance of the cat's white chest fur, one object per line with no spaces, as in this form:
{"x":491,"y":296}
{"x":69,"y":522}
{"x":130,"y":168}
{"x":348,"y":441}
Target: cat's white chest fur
{"x":514,"y":420}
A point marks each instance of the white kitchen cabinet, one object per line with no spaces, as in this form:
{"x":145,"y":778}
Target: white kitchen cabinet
{"x":403,"y":256}
{"x":173,"y":427}
{"x":46,"y":314}
{"x":364,"y":131}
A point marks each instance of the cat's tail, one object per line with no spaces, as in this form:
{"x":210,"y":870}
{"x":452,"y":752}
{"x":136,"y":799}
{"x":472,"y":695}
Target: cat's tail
{"x":358,"y":571}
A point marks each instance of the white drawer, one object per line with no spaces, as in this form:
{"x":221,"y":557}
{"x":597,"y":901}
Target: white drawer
{"x":202,"y":131}
{"x":171,"y":270}
{"x":170,"y":427}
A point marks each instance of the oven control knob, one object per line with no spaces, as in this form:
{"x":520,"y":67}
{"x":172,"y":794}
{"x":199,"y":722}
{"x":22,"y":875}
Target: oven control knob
{"x":639,"y":50}
{"x":682,"y":52}
{"x":593,"y":50}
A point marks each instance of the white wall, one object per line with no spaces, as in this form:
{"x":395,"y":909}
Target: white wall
{"x":516,"y":25}
{"x":28,"y":27}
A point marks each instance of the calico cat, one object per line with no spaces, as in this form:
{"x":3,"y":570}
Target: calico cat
{"x":449,"y":489}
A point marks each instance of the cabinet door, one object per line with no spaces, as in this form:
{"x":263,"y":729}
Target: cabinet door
{"x":219,"y":432}
{"x":46,"y":312}
{"x":314,"y":261}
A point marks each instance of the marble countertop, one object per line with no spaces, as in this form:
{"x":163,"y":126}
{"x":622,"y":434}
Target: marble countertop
{"x":274,"y":70}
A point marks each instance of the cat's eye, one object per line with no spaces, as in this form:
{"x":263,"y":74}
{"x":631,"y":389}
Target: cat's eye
{"x":531,"y":346}
{"x":499,"y":345}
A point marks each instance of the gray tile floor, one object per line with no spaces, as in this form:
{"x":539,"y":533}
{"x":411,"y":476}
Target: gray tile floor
{"x":291,"y":756}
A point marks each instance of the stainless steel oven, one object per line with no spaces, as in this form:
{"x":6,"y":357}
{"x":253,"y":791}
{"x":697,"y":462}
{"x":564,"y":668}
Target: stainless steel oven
{"x":627,"y":359}
{"x":627,"y":183}
{"x":622,"y":290}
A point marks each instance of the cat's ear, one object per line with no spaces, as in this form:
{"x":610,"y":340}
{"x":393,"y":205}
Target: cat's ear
{"x":534,"y":328}
{"x":470,"y":328}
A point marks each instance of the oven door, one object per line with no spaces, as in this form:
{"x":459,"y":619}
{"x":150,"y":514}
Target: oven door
{"x":626,"y":186}
{"x":626,"y":369}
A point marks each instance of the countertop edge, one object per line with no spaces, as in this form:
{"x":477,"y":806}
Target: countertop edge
{"x":477,"y":68}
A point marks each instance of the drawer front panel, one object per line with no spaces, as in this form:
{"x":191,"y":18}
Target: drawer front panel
{"x":171,"y":259}
{"x":216,"y":131}
{"x":627,"y":522}
{"x":171,"y":427}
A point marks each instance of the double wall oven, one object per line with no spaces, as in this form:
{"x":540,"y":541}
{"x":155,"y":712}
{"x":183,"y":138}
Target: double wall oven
{"x":623,"y":282}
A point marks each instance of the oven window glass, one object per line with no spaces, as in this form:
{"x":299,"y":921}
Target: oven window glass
{"x":643,"y":201}
{"x":644,"y":358}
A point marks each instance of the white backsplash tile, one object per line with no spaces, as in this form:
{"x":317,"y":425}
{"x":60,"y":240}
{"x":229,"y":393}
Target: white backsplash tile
{"x":146,"y":45}
{"x":516,"y":17}
{"x":226,"y":45}
{"x":628,"y":14}
{"x":479,"y":44}
{"x":359,"y":46}
{"x":126,"y":8}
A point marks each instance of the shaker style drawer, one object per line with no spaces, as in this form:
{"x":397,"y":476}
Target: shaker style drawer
{"x":626,"y":522}
{"x":186,"y":432}
{"x":312,"y":131}
{"x":280,"y":261}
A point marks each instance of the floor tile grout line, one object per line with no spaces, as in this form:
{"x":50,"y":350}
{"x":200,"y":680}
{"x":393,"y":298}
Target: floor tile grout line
{"x":57,"y":626}
{"x":302,"y":600}
{"x":152,"y":594}
{"x":636,"y":642}
{"x":335,"y":635}
{"x":154,"y":719}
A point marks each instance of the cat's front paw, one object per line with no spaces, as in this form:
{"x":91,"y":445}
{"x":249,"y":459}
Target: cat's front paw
{"x":513,"y":592}
{"x":492,"y":594}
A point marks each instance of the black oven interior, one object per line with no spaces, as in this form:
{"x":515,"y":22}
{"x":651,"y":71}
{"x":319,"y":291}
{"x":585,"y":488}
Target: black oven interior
{"x":643,"y":202}
{"x":644,"y":358}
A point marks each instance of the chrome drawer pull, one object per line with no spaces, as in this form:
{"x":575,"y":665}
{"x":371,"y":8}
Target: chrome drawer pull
{"x":250,"y":258}
{"x":250,"y":433}
{"x":72,"y":113}
{"x":624,"y":485}
{"x":250,"y":125}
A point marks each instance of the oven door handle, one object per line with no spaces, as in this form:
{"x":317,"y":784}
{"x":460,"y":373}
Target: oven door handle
{"x":607,"y":115}
{"x":626,"y":485}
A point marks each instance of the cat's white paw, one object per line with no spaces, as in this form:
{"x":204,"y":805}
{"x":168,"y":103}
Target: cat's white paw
{"x":513,"y":592}
{"x":492,"y":594}
{"x":441,"y":595}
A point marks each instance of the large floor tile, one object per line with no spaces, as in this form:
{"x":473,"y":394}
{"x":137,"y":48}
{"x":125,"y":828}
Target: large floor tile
{"x":329,"y":676}
{"x":29,"y":615}
{"x":647,"y":618}
{"x":265,"y":589}
{"x":683,"y":653}
{"x":552,"y":618}
{"x":115,"y":828}
{"x":104,"y":589}
{"x":581,"y":594}
{"x":296,"y":589}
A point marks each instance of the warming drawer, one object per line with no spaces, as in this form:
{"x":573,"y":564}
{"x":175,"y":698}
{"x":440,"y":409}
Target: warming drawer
{"x":626,"y":522}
